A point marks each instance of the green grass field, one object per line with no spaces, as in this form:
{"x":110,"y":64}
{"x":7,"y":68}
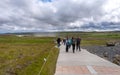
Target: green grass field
{"x":25,"y":55}
{"x":93,"y":38}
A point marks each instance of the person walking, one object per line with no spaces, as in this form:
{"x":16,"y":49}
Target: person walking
{"x":67,"y":44}
{"x":64,"y":41}
{"x":58,"y":41}
{"x":70,"y":42}
{"x":73,"y":44}
{"x":78,"y":42}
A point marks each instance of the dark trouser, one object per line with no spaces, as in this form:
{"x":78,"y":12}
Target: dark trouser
{"x":58,"y":44}
{"x":73,"y":48}
{"x":78,"y":47}
{"x":67,"y":47}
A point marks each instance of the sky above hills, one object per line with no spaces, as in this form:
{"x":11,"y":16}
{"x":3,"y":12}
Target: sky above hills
{"x":59,"y":15}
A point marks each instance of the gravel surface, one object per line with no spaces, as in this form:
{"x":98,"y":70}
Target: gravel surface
{"x":105,"y":52}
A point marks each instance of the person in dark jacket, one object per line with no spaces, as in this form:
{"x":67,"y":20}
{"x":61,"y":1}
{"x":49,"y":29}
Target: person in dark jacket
{"x":73,"y":44}
{"x":78,"y":41}
{"x":58,"y":41}
{"x":67,"y":44}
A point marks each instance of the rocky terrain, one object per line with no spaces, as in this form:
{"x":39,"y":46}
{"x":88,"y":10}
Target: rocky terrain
{"x":111,"y":53}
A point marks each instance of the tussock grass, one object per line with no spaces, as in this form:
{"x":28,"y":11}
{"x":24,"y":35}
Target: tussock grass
{"x":24,"y":55}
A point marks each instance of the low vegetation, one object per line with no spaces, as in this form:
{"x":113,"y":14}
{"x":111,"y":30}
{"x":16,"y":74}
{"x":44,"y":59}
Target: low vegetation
{"x":94,"y":38}
{"x":25,"y":55}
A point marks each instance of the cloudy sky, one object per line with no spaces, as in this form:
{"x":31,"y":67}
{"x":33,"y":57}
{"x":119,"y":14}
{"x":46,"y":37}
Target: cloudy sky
{"x":59,"y":15}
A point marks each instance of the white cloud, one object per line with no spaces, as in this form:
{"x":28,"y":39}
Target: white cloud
{"x":35,"y":15}
{"x":111,"y":5}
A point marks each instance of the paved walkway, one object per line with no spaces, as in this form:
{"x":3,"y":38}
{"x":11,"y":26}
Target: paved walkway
{"x":83,"y":63}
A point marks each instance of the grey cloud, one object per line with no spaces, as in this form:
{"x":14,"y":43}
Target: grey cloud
{"x":102,"y":26}
{"x":82,"y":9}
{"x":18,"y":15}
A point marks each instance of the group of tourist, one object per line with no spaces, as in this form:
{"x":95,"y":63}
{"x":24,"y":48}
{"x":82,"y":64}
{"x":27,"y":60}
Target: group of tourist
{"x":74,"y":42}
